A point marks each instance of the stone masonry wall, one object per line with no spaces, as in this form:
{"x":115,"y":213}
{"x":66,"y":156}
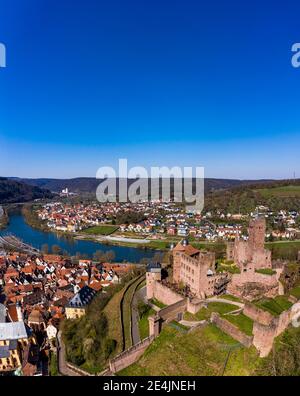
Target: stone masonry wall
{"x":251,"y":285}
{"x":129,"y":356}
{"x":258,"y":315}
{"x":264,"y":334}
{"x":194,"y":305}
{"x":164,"y":294}
{"x":231,"y":330}
{"x":255,"y":277}
{"x":171,"y":312}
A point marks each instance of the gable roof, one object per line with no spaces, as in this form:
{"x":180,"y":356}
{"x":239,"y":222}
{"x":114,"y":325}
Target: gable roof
{"x":13,"y":331}
{"x":83,"y":297}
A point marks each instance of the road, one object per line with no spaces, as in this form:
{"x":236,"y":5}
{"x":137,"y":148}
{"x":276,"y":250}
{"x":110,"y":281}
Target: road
{"x":135,"y":321}
{"x":139,"y":295}
{"x":61,"y":353}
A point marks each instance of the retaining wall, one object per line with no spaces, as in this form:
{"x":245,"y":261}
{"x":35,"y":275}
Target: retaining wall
{"x":129,"y":356}
{"x":231,"y":330}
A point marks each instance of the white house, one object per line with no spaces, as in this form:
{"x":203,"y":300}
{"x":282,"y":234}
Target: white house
{"x":51,"y":331}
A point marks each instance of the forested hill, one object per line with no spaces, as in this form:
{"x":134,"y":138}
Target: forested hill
{"x":225,"y":194}
{"x":12,"y":191}
{"x":277,"y":195}
{"x":90,"y":184}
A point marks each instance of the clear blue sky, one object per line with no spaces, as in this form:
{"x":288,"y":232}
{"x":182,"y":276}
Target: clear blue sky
{"x":187,"y":83}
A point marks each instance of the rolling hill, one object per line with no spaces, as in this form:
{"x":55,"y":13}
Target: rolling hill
{"x":280,"y":194}
{"x":90,"y":184}
{"x":12,"y":191}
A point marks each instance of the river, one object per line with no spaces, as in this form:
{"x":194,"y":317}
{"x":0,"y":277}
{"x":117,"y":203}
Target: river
{"x":37,"y":238}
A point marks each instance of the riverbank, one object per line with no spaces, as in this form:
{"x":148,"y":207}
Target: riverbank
{"x":46,"y":240}
{"x":145,"y":244}
{"x":4,"y":219}
{"x":280,"y":249}
{"x":33,"y":221}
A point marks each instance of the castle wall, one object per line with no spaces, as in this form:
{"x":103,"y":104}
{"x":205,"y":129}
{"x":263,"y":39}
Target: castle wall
{"x":252,"y":253}
{"x":264,"y":334}
{"x":241,"y":254}
{"x":194,"y":305}
{"x":129,"y":356}
{"x":262,"y":259}
{"x":268,"y":285}
{"x":231,"y":330}
{"x":165,"y":294}
{"x":255,"y":277}
{"x":151,"y":279}
{"x":176,"y":266}
{"x":258,"y":315}
{"x":171,"y":312}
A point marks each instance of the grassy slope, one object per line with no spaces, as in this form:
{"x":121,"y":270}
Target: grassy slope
{"x":205,"y":313}
{"x":296,"y":292}
{"x":275,"y":306}
{"x":112,"y":311}
{"x":144,"y":324}
{"x":158,"y":303}
{"x":126,"y":307}
{"x":201,"y":352}
{"x":243,"y":322}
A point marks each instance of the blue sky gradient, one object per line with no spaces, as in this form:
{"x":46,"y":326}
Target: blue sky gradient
{"x":186,"y":83}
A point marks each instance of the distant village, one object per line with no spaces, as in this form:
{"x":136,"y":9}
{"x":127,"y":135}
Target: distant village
{"x":166,"y":219}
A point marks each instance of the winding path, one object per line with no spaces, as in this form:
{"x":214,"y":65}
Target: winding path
{"x":224,"y":300}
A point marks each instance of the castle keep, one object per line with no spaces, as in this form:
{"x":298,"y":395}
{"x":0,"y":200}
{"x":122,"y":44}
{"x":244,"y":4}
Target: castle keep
{"x":251,"y":255}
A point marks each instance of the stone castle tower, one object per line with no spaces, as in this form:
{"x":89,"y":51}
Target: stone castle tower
{"x":153,"y":275}
{"x":253,"y":251}
{"x":257,"y":232}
